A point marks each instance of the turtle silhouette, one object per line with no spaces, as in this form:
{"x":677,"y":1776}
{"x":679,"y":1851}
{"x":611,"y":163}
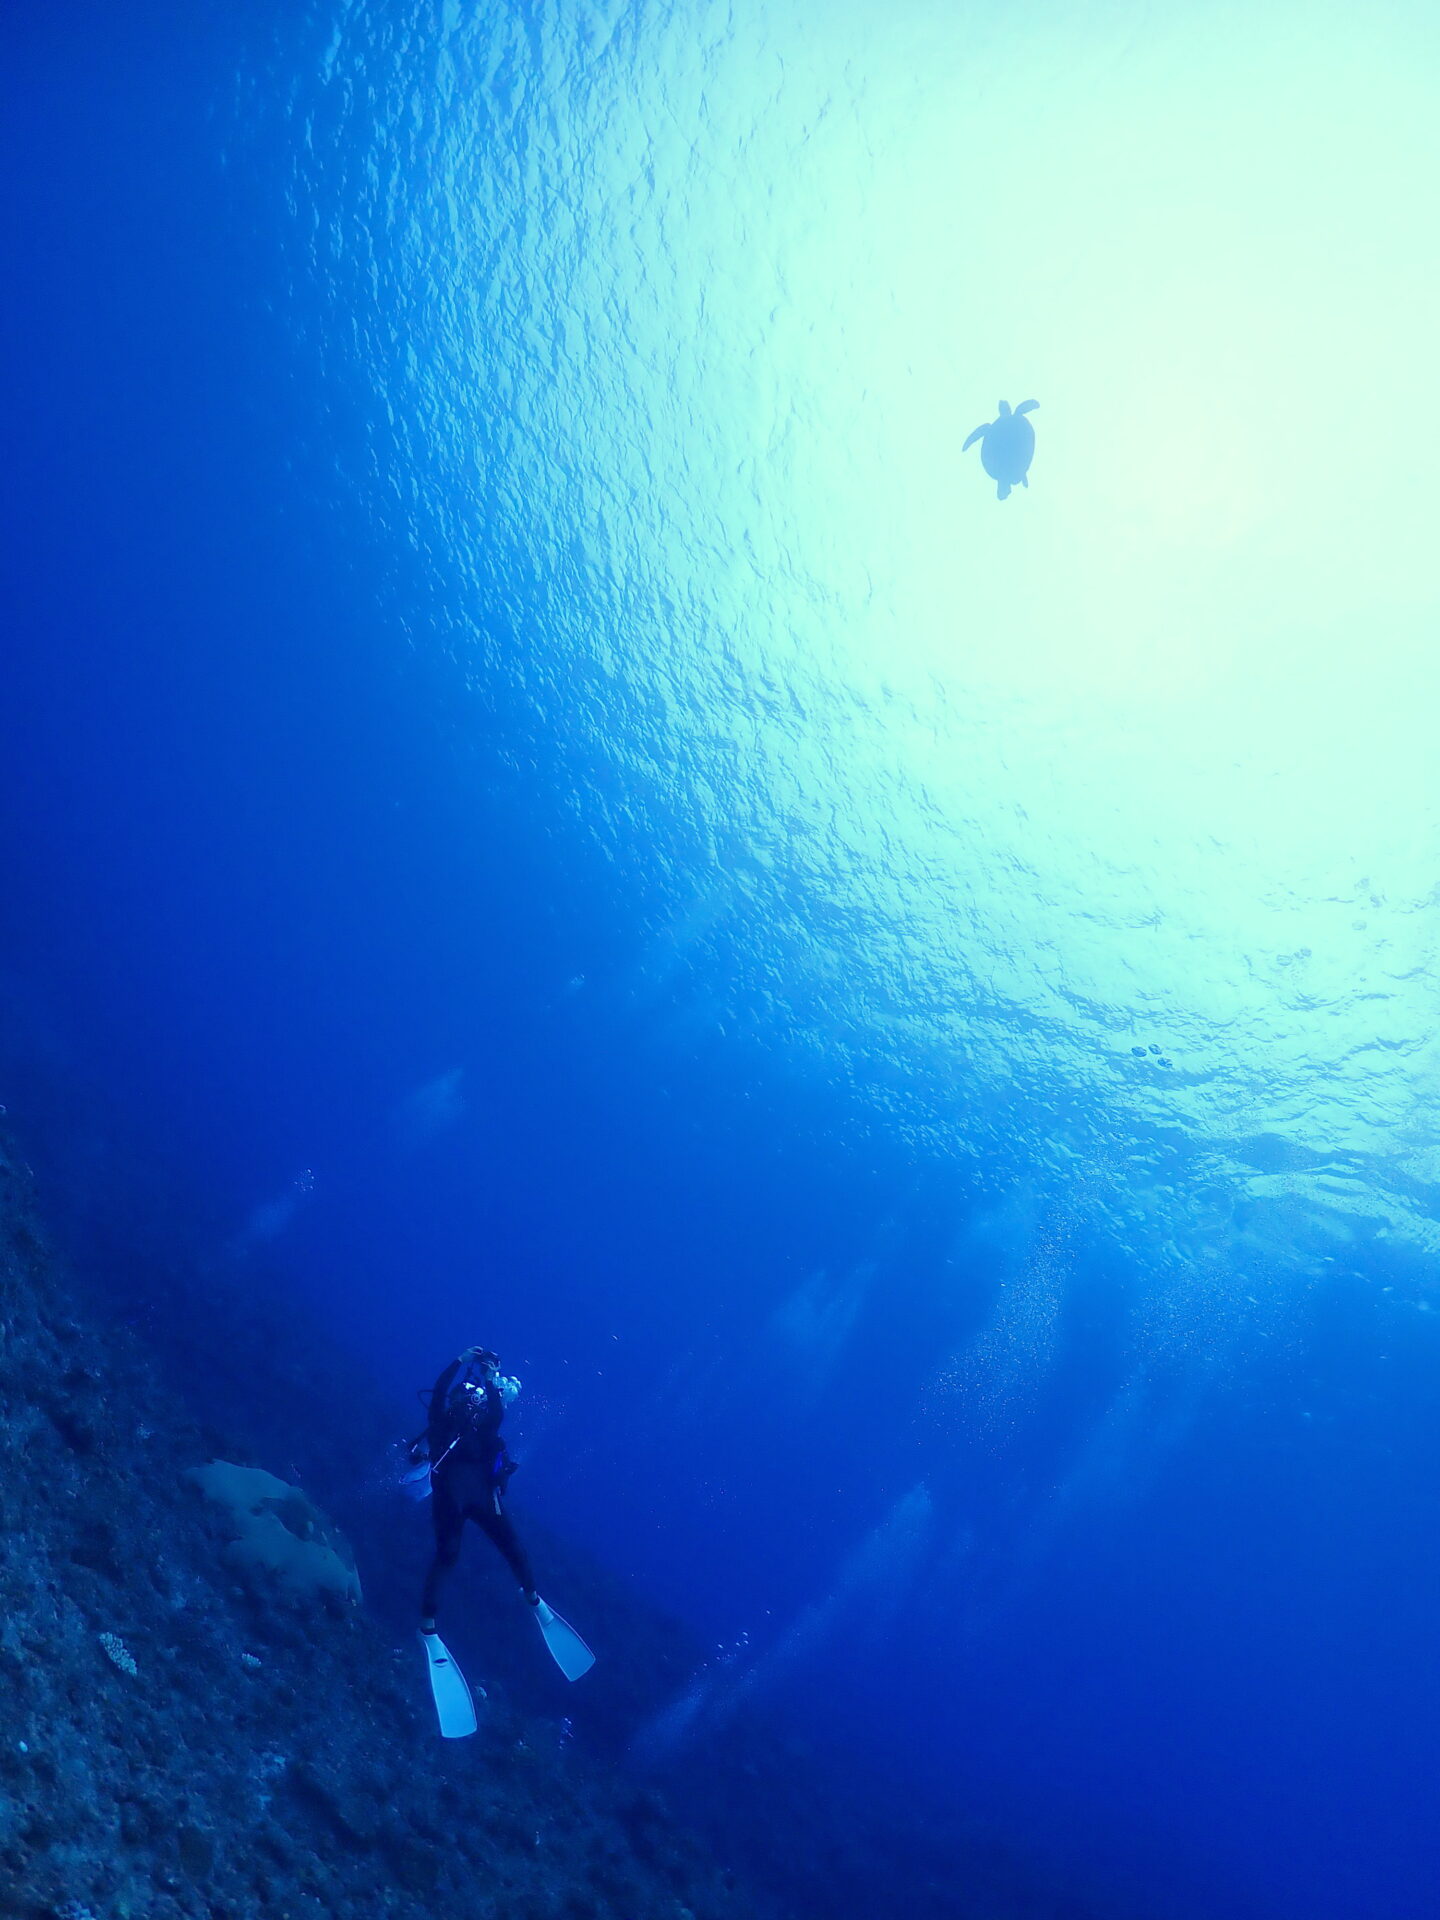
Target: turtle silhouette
{"x":1007,"y":446}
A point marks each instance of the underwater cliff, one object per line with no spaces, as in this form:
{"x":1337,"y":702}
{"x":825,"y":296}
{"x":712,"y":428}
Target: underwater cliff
{"x":188,"y":1731}
{"x":204,"y":1720}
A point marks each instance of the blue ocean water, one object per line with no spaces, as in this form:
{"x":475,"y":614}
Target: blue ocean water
{"x":539,"y":781}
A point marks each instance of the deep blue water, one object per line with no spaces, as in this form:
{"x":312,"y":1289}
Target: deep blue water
{"x":442,"y":822}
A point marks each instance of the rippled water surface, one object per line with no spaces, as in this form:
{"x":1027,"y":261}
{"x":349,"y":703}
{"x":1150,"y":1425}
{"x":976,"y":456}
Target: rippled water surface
{"x":673,"y":320}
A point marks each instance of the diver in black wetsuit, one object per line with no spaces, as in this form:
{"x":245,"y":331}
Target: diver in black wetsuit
{"x":469,"y":1469}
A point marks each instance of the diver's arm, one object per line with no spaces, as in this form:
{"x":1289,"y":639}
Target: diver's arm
{"x":494,"y":1407}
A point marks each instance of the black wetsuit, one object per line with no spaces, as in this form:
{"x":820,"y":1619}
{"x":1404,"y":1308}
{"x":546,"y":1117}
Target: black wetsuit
{"x":468,"y":1471}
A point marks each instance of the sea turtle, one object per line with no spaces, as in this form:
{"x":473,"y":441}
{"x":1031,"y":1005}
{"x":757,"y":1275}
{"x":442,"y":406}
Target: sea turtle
{"x":1007,"y":446}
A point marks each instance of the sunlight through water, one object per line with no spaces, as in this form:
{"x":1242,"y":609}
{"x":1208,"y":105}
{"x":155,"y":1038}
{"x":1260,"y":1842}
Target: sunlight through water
{"x":1098,"y":825}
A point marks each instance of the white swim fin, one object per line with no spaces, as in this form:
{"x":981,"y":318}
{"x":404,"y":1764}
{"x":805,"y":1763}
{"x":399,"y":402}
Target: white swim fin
{"x":567,"y":1649}
{"x":453,"y":1703}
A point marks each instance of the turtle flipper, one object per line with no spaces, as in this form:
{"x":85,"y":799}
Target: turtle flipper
{"x":1024,"y":479}
{"x":1027,"y":406}
{"x":979,"y":434}
{"x":1002,"y":489}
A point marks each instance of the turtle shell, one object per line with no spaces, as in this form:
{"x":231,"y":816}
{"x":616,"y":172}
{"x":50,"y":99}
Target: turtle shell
{"x":1008,"y":448}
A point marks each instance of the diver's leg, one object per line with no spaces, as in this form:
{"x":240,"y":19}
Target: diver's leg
{"x":449,"y":1525}
{"x":497,"y":1525}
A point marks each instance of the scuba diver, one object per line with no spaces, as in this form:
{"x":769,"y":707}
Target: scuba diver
{"x":469,"y":1469}
{"x":467,"y":1472}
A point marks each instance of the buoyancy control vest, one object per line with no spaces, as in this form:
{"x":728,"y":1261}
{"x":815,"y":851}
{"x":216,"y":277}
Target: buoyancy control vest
{"x":469,"y":1426}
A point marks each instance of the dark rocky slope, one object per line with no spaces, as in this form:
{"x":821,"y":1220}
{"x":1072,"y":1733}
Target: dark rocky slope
{"x":182,"y":1741}
{"x":273,"y":1755}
